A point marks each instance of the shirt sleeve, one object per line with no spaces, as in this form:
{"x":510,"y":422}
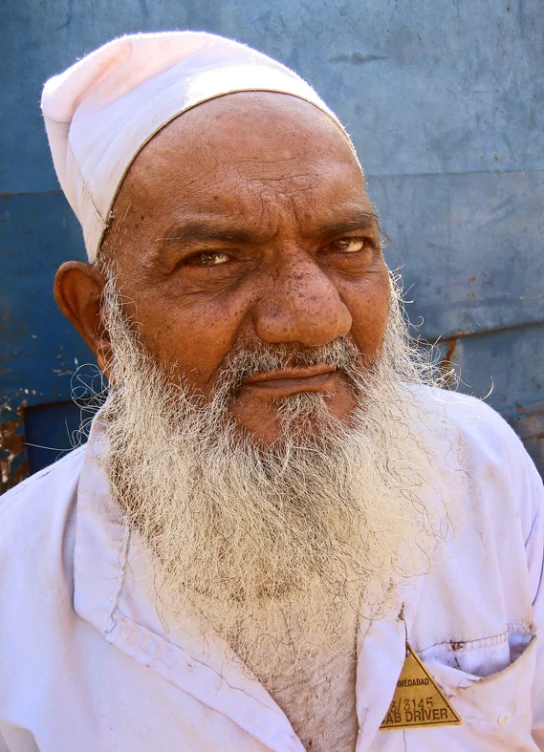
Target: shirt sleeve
{"x":3,"y":745}
{"x":535,"y":559}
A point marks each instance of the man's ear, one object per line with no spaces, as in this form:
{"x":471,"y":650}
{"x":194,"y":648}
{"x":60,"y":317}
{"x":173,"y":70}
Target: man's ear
{"x":78,"y":291}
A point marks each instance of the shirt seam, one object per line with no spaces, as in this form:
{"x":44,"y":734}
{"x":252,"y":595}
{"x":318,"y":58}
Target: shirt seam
{"x":116,"y":591}
{"x":489,"y":641}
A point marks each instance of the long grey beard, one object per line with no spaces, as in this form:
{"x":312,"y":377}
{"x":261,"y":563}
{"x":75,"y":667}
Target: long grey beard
{"x":275,"y":545}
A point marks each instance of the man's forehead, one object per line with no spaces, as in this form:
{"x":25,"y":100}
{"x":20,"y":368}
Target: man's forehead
{"x":236,"y":156}
{"x":246,"y":216}
{"x":333,"y":220}
{"x":243,"y":124}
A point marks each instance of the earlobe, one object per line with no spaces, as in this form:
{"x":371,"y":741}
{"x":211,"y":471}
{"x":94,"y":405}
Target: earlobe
{"x":78,"y":291}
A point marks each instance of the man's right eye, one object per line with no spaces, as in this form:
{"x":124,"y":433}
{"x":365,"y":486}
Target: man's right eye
{"x":209,"y":258}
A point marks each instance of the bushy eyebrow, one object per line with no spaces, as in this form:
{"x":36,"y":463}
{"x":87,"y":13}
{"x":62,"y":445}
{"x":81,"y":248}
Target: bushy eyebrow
{"x":212,"y":230}
{"x":362,"y":220}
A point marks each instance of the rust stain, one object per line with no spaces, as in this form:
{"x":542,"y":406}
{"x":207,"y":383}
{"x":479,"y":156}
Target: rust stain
{"x":447,"y":365}
{"x":450,"y":352}
{"x":12,"y":447}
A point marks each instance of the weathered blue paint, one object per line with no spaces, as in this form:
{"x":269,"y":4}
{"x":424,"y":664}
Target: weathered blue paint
{"x":445,"y":105}
{"x":39,"y":350}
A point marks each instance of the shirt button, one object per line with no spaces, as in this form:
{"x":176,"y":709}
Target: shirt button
{"x":504,"y":718}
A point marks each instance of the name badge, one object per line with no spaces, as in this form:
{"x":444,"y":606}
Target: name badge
{"x":418,"y":700}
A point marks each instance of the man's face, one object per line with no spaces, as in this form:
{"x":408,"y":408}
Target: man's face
{"x":243,"y":223}
{"x":243,"y":239}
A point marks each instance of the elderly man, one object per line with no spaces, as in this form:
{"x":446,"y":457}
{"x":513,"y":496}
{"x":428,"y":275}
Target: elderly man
{"x":281,"y":535}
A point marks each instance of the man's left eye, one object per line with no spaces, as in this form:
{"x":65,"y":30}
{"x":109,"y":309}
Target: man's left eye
{"x":349,"y":245}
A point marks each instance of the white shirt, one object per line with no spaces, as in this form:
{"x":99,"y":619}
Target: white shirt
{"x":87,"y":665}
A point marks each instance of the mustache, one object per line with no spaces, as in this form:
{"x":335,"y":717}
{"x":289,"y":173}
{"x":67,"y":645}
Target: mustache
{"x":342,"y":354}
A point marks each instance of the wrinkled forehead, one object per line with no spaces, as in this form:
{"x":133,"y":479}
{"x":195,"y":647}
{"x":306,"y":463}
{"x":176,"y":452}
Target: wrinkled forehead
{"x":246,"y":125}
{"x":250,"y":141}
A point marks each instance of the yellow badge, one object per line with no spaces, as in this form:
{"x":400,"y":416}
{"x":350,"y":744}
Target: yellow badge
{"x":418,"y":701}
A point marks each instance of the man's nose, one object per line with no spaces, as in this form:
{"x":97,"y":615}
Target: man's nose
{"x":300,"y":303}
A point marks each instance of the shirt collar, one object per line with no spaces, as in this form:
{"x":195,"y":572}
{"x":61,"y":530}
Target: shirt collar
{"x":114,"y":590}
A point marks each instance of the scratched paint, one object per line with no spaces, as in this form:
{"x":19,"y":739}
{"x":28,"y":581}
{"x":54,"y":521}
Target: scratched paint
{"x":13,"y":462}
{"x":446,"y":112}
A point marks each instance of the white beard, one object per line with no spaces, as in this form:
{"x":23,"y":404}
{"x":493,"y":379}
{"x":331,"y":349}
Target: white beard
{"x":277,"y":546}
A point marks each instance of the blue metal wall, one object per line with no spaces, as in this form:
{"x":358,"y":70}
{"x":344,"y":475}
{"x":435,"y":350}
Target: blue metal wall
{"x":444,"y":100}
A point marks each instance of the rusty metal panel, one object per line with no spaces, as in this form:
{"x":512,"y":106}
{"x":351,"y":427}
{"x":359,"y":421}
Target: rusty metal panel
{"x":494,"y":362}
{"x":446,"y":111}
{"x":469,"y":247}
{"x":39,"y":349}
{"x":528,"y":422}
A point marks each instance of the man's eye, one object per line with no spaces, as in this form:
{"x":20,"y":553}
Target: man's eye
{"x":349,"y":245}
{"x":212,"y":258}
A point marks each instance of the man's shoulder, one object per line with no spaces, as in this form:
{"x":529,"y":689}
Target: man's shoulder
{"x":37,"y":533}
{"x":41,"y":501}
{"x":493,"y":455}
{"x":485,"y":432}
{"x":478,"y":422}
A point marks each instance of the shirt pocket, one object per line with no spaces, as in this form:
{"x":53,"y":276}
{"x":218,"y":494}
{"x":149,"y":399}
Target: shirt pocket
{"x":495,"y":710}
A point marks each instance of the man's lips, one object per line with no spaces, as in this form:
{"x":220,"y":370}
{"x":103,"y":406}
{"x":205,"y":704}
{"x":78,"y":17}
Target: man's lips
{"x":288,"y":381}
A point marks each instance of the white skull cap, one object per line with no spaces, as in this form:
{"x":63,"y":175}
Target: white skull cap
{"x":102,"y":110}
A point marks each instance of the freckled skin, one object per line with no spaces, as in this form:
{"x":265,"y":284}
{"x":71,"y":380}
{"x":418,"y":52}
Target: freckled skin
{"x":272,"y":166}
